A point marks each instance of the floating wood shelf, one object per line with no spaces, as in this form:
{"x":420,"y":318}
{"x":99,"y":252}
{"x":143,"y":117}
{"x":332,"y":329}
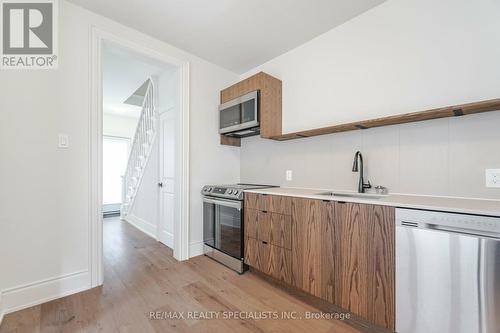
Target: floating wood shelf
{"x":449,"y":111}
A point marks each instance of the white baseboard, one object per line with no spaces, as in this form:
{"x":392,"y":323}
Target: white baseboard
{"x":167,"y":238}
{"x":35,"y":293}
{"x":141,"y":224}
{"x":196,"y":249}
{"x":1,"y":308}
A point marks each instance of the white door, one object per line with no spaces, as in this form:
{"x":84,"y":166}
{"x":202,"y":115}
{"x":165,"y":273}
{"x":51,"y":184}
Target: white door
{"x":167,"y":177}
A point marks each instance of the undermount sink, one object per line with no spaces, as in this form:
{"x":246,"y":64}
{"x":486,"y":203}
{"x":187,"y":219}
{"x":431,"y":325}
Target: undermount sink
{"x":354,"y":195}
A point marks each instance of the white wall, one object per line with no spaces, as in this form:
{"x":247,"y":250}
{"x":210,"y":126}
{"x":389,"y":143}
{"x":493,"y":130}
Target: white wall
{"x":113,"y":125}
{"x":402,"y":56}
{"x":51,"y":239}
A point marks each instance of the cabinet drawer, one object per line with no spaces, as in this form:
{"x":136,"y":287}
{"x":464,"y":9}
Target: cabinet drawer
{"x":257,"y":201}
{"x":281,"y":230}
{"x":268,"y":227}
{"x":251,"y":222}
{"x":269,"y":259}
{"x":280,"y":264}
{"x":251,"y":252}
{"x":271,"y":203}
{"x":257,"y":254}
{"x":258,"y":225}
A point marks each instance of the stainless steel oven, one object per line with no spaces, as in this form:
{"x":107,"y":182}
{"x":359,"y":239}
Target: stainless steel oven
{"x":223,"y":226}
{"x":240,"y":117}
{"x":222,"y":231}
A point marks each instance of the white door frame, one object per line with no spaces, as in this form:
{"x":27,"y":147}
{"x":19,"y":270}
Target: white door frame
{"x":181,"y":229}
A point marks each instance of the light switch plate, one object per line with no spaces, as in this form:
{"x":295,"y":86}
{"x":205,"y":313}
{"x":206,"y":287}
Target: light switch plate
{"x":493,"y":178}
{"x":63,"y":141}
{"x":289,"y":175}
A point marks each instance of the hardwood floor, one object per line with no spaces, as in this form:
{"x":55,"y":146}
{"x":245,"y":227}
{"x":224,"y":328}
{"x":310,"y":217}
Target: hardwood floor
{"x":141,"y":276}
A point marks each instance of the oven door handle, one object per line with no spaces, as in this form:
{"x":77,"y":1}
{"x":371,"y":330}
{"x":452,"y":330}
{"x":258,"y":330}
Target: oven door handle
{"x":226,"y":203}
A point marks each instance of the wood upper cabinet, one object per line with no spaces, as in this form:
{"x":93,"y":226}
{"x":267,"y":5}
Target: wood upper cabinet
{"x":270,"y":107}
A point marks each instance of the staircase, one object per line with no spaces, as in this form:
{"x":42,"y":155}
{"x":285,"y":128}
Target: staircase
{"x":141,"y":149}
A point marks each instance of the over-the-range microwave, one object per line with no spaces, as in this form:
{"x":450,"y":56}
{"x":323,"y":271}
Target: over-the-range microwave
{"x":240,"y":116}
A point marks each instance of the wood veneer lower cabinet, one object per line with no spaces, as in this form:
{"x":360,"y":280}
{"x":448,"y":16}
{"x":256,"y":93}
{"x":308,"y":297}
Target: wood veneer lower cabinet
{"x":268,"y":236}
{"x":344,"y":254}
{"x":367,"y":262}
{"x":306,"y":244}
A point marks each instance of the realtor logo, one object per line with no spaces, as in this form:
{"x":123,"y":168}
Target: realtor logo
{"x":29,"y":39}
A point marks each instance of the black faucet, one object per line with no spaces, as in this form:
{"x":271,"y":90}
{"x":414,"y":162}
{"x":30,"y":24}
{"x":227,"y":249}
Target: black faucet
{"x":362,"y":186}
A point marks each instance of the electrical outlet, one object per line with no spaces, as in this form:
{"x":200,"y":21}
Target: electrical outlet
{"x":289,"y":175}
{"x":492,"y":177}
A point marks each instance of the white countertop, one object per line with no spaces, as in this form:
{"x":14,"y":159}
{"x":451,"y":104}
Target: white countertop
{"x":445,"y":204}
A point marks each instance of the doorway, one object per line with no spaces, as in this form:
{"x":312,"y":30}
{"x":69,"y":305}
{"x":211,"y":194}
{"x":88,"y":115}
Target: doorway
{"x":159,"y":203}
{"x":115,"y":153}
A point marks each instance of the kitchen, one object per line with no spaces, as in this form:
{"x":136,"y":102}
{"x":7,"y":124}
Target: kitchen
{"x":363,"y":250}
{"x":338,"y":172}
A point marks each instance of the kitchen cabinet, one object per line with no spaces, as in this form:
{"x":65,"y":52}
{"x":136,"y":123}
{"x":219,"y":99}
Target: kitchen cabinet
{"x":268,"y":235}
{"x":343,"y":253}
{"x":366,"y":261}
{"x":306,"y":244}
{"x":270,"y":89}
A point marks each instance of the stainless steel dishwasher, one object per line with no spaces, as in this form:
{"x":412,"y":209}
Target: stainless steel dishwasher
{"x":447,"y":272}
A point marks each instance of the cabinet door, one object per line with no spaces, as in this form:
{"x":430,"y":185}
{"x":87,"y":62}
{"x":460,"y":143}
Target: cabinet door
{"x":306,"y":244}
{"x":352,"y":222}
{"x":381,"y":266}
{"x":366,"y":261}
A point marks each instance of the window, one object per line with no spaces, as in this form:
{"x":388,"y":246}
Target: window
{"x":115,"y":158}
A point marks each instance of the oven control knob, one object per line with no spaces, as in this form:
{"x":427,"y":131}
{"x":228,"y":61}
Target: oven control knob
{"x":236,"y":192}
{"x":230,"y":192}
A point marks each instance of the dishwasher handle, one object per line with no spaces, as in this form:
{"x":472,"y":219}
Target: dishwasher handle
{"x":450,"y":229}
